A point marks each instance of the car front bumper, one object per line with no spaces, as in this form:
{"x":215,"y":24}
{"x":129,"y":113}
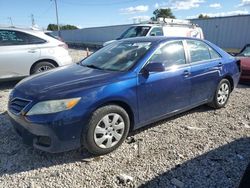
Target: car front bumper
{"x":51,"y":136}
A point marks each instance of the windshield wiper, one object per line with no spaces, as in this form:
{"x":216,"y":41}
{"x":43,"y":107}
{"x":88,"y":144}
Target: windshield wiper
{"x":93,"y":67}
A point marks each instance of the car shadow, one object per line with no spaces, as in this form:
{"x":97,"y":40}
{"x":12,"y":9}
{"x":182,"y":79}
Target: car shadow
{"x":199,"y":109}
{"x":8,"y":84}
{"x":17,"y":157}
{"x":220,"y":167}
{"x":226,"y":162}
{"x":243,"y":85}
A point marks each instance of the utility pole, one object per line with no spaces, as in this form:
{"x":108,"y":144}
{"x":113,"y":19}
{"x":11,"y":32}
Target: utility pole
{"x":58,"y":27}
{"x":10,"y":19}
{"x":32,"y":20}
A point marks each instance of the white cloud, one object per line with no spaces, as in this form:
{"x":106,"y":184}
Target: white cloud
{"x":215,"y":5}
{"x":244,"y":3}
{"x":219,"y":14}
{"x":137,"y":19}
{"x":180,"y":4}
{"x":133,"y":10}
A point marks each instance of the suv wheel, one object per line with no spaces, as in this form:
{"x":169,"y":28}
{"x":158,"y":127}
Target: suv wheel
{"x":107,"y":129}
{"x":221,"y":95}
{"x":42,"y":66}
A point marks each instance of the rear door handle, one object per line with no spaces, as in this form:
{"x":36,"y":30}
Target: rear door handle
{"x":186,"y":73}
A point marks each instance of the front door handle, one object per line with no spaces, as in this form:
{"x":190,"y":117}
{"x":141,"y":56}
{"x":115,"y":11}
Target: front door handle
{"x":186,"y":73}
{"x":32,"y":51}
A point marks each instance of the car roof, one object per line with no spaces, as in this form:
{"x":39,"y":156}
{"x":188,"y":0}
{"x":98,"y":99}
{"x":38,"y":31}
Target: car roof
{"x":27,"y":30}
{"x":157,"y":39}
{"x":147,"y":25}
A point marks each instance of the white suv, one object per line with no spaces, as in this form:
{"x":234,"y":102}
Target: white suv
{"x":25,"y":51}
{"x":163,"y":27}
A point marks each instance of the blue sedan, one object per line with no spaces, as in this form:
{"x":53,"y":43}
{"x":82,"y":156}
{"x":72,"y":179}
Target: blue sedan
{"x":121,"y":87}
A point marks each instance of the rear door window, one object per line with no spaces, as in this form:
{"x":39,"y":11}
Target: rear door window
{"x":8,"y":38}
{"x":198,"y":51}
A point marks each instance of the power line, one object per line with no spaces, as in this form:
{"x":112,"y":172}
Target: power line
{"x":10,"y":19}
{"x":57,"y":19}
{"x":32,"y":20}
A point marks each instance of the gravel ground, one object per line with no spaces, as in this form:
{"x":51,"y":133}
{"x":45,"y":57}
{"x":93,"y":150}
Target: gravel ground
{"x":78,"y":54}
{"x":200,"y":148}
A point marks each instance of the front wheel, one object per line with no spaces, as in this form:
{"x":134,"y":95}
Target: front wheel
{"x":221,"y":95}
{"x":107,"y":129}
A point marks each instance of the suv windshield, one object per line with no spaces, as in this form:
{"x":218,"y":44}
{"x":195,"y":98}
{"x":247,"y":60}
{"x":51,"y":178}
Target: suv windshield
{"x":120,"y":56}
{"x":135,"y":31}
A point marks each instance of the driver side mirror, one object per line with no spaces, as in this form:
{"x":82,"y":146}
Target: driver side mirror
{"x":154,"y":67}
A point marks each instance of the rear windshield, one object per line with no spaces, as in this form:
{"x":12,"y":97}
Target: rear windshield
{"x":53,"y":36}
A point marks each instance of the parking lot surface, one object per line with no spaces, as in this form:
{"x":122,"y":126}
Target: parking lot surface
{"x":199,"y":148}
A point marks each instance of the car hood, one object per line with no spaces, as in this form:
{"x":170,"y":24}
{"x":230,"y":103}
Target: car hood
{"x":64,"y":80}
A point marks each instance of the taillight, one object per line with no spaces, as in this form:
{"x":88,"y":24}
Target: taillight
{"x":64,"y":45}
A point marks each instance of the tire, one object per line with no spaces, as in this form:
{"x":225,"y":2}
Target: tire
{"x":107,"y":129}
{"x":221,"y":95}
{"x":42,"y":66}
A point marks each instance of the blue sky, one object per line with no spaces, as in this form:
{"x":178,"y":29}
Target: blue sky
{"x":92,"y":13}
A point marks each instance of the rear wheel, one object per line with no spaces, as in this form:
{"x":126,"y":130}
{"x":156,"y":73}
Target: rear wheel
{"x":221,"y":95}
{"x":107,"y":129}
{"x":42,"y":66}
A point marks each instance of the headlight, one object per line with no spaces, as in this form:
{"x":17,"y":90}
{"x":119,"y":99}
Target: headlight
{"x":53,"y":106}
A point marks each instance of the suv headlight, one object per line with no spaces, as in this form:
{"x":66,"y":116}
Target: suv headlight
{"x":53,"y":106}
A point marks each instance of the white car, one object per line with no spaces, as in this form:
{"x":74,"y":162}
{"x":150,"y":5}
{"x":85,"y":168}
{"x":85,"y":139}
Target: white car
{"x":25,"y":51}
{"x":163,"y":27}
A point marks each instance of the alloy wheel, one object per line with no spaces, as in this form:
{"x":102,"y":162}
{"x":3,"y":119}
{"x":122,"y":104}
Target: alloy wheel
{"x":43,"y":68}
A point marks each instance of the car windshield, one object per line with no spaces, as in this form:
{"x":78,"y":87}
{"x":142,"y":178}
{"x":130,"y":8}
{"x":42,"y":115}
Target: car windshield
{"x":120,"y":56}
{"x":135,"y":31}
{"x":246,"y":52}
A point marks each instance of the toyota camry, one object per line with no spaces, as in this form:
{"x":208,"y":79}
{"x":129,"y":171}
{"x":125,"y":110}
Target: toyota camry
{"x":124,"y":86}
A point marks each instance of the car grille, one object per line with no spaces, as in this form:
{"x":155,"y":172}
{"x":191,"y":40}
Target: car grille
{"x":17,"y":105}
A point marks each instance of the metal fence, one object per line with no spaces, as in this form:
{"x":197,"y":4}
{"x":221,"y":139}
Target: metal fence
{"x":226,"y":32}
{"x":93,"y":36}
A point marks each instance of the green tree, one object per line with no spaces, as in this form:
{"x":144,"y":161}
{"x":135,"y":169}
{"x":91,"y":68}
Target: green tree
{"x":53,"y":27}
{"x":68,"y":27}
{"x":201,"y":16}
{"x":165,"y":13}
